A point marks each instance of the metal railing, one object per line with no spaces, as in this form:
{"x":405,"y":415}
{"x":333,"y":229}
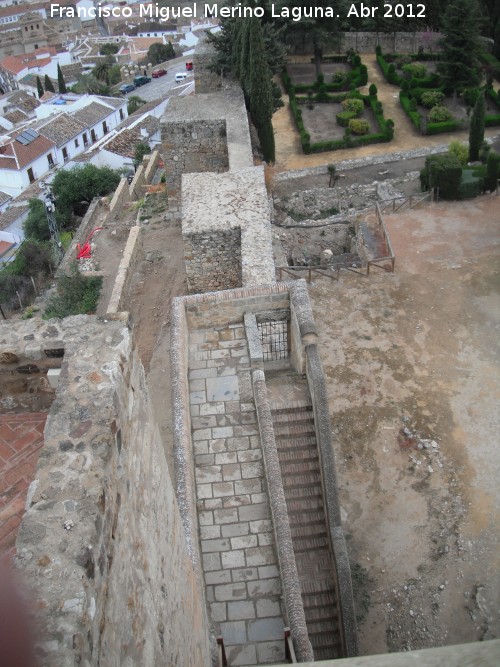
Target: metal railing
{"x":388,"y":258}
{"x":396,"y":203}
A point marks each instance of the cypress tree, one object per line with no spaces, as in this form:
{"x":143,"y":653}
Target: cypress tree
{"x":260,"y":89}
{"x":459,"y":67}
{"x":49,"y":86}
{"x":476,"y":130}
{"x":39,"y":87}
{"x":61,"y":84}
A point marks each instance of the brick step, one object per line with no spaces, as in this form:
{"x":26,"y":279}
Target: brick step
{"x":317,"y":529}
{"x":299,"y":467}
{"x":324,"y":640}
{"x":293,"y":442}
{"x":319,"y":599}
{"x":327,"y":614}
{"x":300,"y":454}
{"x":312,"y":492}
{"x":305,"y":544}
{"x":301,"y":516}
{"x":292,"y":408}
{"x":288,"y":429}
{"x":328,"y":653}
{"x":300,"y":480}
{"x":292,"y":417}
{"x":315,"y":628}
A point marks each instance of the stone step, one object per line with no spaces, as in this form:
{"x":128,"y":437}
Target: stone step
{"x":320,"y":599}
{"x":305,"y":544}
{"x":326,"y":626}
{"x":299,"y":467}
{"x":293,"y":416}
{"x":312,"y":493}
{"x":291,"y":408}
{"x":301,"y":516}
{"x":328,"y":653}
{"x":328,"y":614}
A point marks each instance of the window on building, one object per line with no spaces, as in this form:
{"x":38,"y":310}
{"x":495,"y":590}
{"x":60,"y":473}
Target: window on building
{"x":93,"y":136}
{"x":50,"y":160}
{"x":36,"y":46}
{"x":31,"y":27}
{"x":77,"y":143}
{"x":105,"y":127}
{"x":26,"y":28}
{"x":85,"y":139}
{"x":65,"y":154}
{"x":121,"y":114}
{"x":31,"y":176}
{"x":37,"y":26}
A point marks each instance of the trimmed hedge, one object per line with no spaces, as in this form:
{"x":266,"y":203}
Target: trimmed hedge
{"x":414,"y":116}
{"x":471,"y":184}
{"x":386,"y":126}
{"x":443,"y":172}
{"x":391,"y":75}
{"x":358,"y":76}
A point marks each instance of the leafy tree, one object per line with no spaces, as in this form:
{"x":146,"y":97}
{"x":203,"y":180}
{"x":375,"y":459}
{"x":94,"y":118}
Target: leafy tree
{"x":36,"y":226}
{"x":39,"y":87}
{"x":101,"y":72}
{"x":141,"y":149}
{"x":72,"y":187}
{"x":109,"y":49}
{"x":134,"y":103}
{"x":32,"y":259}
{"x":492,"y":171}
{"x":114,"y":75}
{"x":459,"y":67}
{"x":159,"y":53}
{"x":61,"y":84}
{"x":49,"y":86}
{"x":76,"y":294}
{"x":476,"y":130}
{"x":89,"y":84}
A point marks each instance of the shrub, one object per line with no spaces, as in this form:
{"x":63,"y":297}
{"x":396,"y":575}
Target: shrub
{"x":440,"y":114}
{"x":76,"y":294}
{"x":470,"y":96}
{"x":471,"y":185}
{"x":484,"y":151}
{"x":432,"y":98}
{"x":344,"y":117}
{"x":353,"y":105}
{"x":443,"y":172}
{"x":416,"y":70}
{"x":460,"y":150}
{"x":413,"y":104}
{"x":492,"y":171}
{"x":322,"y":95}
{"x":378,"y":50}
{"x":372,"y":90}
{"x":401,"y":61}
{"x":338,"y":77}
{"x":359,"y":126}
{"x":32,"y":258}
{"x":391,"y":69}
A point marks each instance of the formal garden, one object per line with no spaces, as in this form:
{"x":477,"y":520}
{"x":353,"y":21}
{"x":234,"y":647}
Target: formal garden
{"x":329,"y":111}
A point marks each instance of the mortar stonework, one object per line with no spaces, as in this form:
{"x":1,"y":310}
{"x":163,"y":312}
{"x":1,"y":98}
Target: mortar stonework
{"x":101,"y":543}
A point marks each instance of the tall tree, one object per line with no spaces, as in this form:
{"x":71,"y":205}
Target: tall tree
{"x":476,"y":130}
{"x":459,"y":67}
{"x":49,"y":86}
{"x":259,"y":88}
{"x":39,"y":87}
{"x":61,"y":84}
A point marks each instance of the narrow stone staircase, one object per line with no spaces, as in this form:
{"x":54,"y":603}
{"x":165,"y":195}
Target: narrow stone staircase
{"x":300,"y":470}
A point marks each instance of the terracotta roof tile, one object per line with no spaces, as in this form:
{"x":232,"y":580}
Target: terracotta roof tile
{"x":60,"y":129}
{"x":15,"y":155}
{"x":92,"y":114}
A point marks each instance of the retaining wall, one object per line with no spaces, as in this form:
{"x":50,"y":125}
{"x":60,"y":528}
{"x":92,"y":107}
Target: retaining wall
{"x":92,"y":219}
{"x":132,"y":255}
{"x":120,"y":198}
{"x":102,"y":543}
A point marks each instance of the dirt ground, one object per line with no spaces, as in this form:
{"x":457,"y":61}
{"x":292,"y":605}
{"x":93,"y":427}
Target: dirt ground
{"x":321,"y":123}
{"x":413,"y":378}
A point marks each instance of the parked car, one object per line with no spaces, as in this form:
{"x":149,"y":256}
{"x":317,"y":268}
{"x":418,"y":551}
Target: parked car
{"x":158,"y":72}
{"x":127,"y":88}
{"x":180,"y":77}
{"x":141,"y":80}
{"x":189,"y":66}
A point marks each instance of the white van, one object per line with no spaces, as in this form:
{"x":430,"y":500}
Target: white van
{"x":180,"y":77}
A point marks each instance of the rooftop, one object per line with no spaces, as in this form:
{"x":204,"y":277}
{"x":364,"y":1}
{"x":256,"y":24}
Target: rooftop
{"x":92,"y":114}
{"x":16,"y":155}
{"x":60,"y":129}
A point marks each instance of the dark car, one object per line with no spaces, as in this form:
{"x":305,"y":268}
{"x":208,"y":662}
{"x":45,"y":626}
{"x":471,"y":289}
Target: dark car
{"x":127,"y":88}
{"x":158,"y":72}
{"x":141,"y":80}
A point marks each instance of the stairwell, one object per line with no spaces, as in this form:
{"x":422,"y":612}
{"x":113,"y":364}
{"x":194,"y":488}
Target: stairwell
{"x":300,"y":468}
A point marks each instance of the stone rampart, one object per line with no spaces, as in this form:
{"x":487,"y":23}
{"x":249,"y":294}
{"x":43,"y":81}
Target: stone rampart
{"x":101,"y":543}
{"x":193,"y":146}
{"x":120,"y":198}
{"x":92,"y":219}
{"x":132,"y":255}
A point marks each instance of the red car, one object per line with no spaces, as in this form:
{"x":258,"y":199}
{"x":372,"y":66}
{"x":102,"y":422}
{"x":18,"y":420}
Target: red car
{"x":158,"y":72}
{"x":189,"y":66}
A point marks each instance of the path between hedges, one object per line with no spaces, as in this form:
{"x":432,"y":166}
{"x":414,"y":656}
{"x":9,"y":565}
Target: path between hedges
{"x":289,"y":153}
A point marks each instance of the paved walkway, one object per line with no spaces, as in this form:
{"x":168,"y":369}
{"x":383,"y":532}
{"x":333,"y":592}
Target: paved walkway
{"x":236,"y":535}
{"x":21,"y":438}
{"x":289,"y":153}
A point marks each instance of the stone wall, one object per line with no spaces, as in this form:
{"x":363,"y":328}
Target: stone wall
{"x":132,"y":255}
{"x":119,"y":199}
{"x":205,"y":81}
{"x":92,"y":219}
{"x":213,"y":260}
{"x":101,"y":543}
{"x":394,"y":42}
{"x":193,"y":146}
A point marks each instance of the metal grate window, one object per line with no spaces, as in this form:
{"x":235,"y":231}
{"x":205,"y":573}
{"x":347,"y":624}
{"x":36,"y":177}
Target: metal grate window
{"x":274,"y":339}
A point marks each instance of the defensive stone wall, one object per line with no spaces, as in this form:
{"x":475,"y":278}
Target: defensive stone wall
{"x":101,"y":543}
{"x":119,"y":199}
{"x":193,"y":146}
{"x":132,"y":255}
{"x":226,"y":229}
{"x":92,"y":219}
